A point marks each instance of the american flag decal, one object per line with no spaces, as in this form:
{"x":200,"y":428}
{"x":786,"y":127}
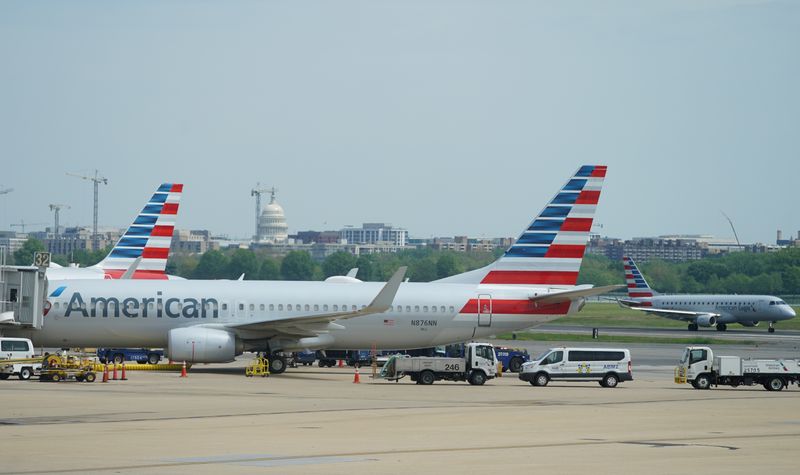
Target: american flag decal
{"x":389,"y":322}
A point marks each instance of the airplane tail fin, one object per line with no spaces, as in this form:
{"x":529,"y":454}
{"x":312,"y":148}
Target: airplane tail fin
{"x":550,"y":250}
{"x":148,"y":237}
{"x":637,"y":285}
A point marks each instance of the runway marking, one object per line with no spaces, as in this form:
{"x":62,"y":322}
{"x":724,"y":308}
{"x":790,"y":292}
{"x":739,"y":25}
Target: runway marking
{"x":370,"y":455}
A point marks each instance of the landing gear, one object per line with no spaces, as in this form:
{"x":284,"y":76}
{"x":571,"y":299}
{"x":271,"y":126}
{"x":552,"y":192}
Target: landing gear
{"x":277,"y":363}
{"x":693,"y":327}
{"x":771,"y":328}
{"x":721,"y":327}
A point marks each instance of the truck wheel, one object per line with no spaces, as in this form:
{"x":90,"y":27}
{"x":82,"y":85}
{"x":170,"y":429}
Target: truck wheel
{"x":477,"y":378}
{"x":515,"y":364}
{"x":427,"y":377}
{"x":609,"y":381}
{"x":153,"y":358}
{"x":775,"y":384}
{"x":90,"y":377}
{"x":540,"y":379}
{"x":25,"y":374}
{"x":702,"y":382}
{"x":118,"y":358}
{"x":55,"y":377}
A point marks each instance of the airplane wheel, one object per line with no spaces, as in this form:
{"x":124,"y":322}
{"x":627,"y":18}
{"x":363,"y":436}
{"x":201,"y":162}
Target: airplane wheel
{"x":721,"y":327}
{"x":277,"y":364}
{"x":693,"y":327}
{"x":771,"y":329}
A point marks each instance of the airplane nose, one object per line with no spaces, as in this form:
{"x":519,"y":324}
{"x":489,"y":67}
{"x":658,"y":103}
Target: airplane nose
{"x":791,"y":312}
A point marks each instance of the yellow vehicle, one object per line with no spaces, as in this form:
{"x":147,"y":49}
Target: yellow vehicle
{"x":62,"y":368}
{"x":259,"y":367}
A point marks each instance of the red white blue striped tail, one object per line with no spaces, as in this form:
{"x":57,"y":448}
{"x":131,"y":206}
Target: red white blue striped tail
{"x":148,"y":237}
{"x":637,"y":285}
{"x":550,"y":250}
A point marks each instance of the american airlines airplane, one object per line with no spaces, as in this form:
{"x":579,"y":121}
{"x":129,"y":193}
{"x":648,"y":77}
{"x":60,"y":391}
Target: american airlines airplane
{"x":149,"y":237}
{"x":703,"y":310}
{"x":214,"y":321}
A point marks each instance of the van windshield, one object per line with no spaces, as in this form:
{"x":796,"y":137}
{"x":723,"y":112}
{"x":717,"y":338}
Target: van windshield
{"x":542,"y":355}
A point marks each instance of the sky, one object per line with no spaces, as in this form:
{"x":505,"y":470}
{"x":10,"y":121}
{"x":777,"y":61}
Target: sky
{"x":450,"y":117}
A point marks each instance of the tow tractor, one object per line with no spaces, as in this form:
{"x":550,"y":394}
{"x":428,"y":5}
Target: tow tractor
{"x":702,"y":369}
{"x":57,"y":368}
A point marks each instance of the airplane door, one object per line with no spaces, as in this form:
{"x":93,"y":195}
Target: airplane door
{"x":484,"y":310}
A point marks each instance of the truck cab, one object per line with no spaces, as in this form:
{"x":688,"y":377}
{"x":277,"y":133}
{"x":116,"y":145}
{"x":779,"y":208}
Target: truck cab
{"x":696,"y":360}
{"x":17,"y":358}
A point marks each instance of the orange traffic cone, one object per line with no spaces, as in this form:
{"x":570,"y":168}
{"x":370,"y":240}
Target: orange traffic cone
{"x":105,"y":373}
{"x":341,"y":364}
{"x":115,"y":372}
{"x":183,"y":371}
{"x":123,"y":373}
{"x":356,"y":378}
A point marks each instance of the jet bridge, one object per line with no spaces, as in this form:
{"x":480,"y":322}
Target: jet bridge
{"x":23,"y":293}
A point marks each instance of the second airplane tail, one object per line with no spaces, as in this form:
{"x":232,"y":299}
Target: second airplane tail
{"x":148,"y":237}
{"x":550,"y":250}
{"x":637,"y":285}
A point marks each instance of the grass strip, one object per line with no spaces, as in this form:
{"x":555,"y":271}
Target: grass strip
{"x":534,"y":336}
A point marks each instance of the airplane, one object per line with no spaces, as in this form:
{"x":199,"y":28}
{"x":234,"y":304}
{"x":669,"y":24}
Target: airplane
{"x":703,"y":310}
{"x":198,"y":321}
{"x":149,"y":238}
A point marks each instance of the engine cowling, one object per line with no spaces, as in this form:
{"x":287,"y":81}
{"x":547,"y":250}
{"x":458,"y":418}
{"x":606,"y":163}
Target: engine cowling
{"x":706,"y":320}
{"x":203,"y":345}
{"x":750,"y":324}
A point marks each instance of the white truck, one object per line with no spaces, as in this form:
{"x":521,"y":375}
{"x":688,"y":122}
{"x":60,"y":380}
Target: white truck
{"x":702,"y":369}
{"x":479,"y":365}
{"x":17,"y":358}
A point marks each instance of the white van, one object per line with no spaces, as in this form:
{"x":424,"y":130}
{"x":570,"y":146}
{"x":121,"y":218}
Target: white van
{"x":608,"y":366}
{"x":15,"y":349}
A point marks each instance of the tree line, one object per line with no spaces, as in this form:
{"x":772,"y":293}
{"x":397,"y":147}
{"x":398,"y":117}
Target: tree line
{"x":736,"y":273}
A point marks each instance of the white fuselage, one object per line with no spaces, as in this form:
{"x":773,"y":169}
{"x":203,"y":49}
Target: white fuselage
{"x":126,"y":313}
{"x":745,"y":309}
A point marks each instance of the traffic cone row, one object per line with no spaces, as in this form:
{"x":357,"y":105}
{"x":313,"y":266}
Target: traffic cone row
{"x":341,"y":363}
{"x":105,"y":373}
{"x":115,"y":372}
{"x":356,"y":377}
{"x":183,"y":371}
{"x":123,"y":378}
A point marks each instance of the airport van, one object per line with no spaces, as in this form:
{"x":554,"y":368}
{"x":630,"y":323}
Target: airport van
{"x":17,"y":357}
{"x":608,"y":366}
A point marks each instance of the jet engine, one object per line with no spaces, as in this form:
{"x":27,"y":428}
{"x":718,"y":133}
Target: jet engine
{"x":750,"y":324}
{"x":203,"y":345}
{"x":706,"y":320}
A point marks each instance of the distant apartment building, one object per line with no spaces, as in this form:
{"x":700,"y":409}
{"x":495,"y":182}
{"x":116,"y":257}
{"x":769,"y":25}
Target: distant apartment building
{"x":667,"y":248}
{"x":73,"y":239}
{"x":790,"y":241}
{"x":466,"y":244}
{"x":374,"y":233}
{"x":195,"y":241}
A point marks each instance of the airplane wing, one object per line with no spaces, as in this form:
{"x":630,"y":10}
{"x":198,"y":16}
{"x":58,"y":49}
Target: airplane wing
{"x":569,"y":295}
{"x":683,"y":315}
{"x":312,"y":324}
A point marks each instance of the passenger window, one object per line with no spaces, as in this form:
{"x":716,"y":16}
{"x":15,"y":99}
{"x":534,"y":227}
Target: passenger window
{"x":308,"y":307}
{"x":697,"y":355}
{"x":271,"y":307}
{"x":316,"y":308}
{"x":425,"y":309}
{"x":261,"y":307}
{"x":252,"y":307}
{"x":554,"y":357}
{"x":416,"y":308}
{"x":325,"y":307}
{"x":289,"y":307}
{"x":433,"y":309}
{"x":452,"y":309}
{"x":399,"y":309}
{"x":335,"y":308}
{"x":408,"y":308}
{"x":280,"y":307}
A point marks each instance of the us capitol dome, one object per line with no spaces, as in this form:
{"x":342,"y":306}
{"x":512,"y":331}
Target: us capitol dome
{"x":272,"y":225}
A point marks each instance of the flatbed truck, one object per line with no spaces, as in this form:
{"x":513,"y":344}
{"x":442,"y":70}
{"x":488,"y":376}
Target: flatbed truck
{"x":700,"y":368}
{"x":479,"y":365}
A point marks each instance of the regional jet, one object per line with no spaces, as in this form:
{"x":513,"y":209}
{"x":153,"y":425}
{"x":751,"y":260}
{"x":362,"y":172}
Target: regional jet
{"x":144,"y":247}
{"x":703,"y":310}
{"x":214,"y":321}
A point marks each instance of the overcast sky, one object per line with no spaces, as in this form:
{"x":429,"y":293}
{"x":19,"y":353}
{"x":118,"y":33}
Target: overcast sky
{"x":444,"y":117}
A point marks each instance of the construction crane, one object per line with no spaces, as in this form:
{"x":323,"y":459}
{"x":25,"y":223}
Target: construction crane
{"x":22,"y":225}
{"x":96,"y":179}
{"x":257,"y":191}
{"x":56,"y":208}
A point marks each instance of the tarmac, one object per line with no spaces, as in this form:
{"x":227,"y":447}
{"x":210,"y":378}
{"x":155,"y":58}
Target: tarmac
{"x":316,"y":421}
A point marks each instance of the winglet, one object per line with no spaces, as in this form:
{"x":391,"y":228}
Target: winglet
{"x":132,"y":269}
{"x":352,"y":272}
{"x":385,"y":297}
